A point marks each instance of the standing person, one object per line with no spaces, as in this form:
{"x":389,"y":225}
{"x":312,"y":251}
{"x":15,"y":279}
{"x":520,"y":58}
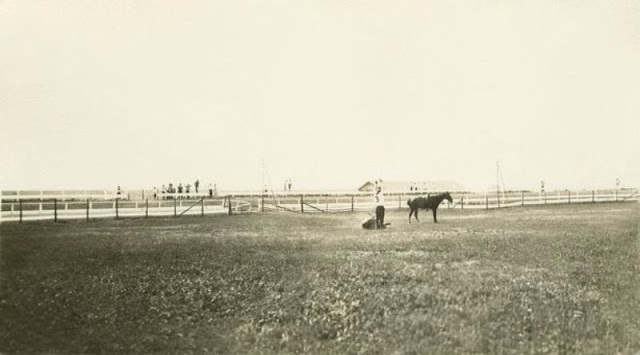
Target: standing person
{"x":210,"y":191}
{"x":196,"y":185}
{"x":289,"y":185}
{"x":379,"y":200}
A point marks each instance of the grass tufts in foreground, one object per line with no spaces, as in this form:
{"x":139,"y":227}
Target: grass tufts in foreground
{"x":556,"y":279}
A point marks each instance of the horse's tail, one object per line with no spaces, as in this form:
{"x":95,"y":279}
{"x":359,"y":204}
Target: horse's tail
{"x":409,"y":202}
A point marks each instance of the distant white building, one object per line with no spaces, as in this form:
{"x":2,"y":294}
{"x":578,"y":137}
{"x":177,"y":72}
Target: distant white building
{"x":416,"y":186}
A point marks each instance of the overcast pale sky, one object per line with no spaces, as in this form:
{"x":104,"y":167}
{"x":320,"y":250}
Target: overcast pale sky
{"x":100,"y":93}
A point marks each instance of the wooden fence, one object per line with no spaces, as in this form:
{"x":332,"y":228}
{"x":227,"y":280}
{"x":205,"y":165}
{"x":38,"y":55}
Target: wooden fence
{"x":86,"y":205}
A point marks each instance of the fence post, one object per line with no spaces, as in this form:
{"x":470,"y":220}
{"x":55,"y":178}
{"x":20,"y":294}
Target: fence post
{"x":301,"y":203}
{"x":146,"y":208}
{"x":117,"y":214}
{"x":593,"y":196}
{"x":616,"y":195}
{"x":487,"y":200}
{"x":352,"y":203}
{"x":202,"y":206}
{"x":55,"y":210}
{"x":88,"y":210}
{"x":462,"y":203}
{"x":230,"y":210}
{"x":175,"y":206}
{"x":20,"y":204}
{"x":569,"y":193}
{"x":522,"y":199}
{"x":262,"y":201}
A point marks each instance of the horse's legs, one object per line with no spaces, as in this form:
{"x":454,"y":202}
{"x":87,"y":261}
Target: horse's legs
{"x":414,"y":212}
{"x":435,"y":220}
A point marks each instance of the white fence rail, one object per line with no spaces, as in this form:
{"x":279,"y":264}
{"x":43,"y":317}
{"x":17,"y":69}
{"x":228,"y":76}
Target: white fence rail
{"x":26,"y":210}
{"x":61,"y":195}
{"x":16,"y":207}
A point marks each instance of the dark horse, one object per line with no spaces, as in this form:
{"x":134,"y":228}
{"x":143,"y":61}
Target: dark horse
{"x":429,"y":203}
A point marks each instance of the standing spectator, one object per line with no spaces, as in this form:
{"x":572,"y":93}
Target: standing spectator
{"x":187,"y":188}
{"x":289,"y":185}
{"x":210,"y":191}
{"x":155,"y":193}
{"x":196,"y":185}
{"x":379,"y":201}
{"x":180,"y":188}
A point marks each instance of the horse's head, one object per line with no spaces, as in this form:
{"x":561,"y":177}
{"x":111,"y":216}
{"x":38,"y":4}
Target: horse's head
{"x":447,"y":196}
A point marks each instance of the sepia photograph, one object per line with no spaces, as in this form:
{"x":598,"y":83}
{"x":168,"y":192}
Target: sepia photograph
{"x":319,"y":177}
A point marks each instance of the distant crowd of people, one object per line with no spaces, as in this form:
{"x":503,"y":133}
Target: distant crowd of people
{"x":171,"y":191}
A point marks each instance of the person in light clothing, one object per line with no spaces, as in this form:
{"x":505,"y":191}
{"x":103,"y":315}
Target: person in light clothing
{"x":379,"y":201}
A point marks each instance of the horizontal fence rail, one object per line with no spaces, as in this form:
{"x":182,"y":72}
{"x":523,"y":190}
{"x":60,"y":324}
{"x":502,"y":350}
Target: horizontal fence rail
{"x":88,"y":205}
{"x":60,"y":195}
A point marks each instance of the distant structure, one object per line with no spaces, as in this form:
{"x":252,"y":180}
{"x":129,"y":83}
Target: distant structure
{"x":415,"y":186}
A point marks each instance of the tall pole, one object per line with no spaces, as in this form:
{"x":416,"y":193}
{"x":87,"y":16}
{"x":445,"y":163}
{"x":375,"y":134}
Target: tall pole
{"x":498,"y":183}
{"x":262,"y":176}
{"x":262,"y":183}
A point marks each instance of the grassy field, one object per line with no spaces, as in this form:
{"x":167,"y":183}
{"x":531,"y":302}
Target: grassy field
{"x":549,"y":279}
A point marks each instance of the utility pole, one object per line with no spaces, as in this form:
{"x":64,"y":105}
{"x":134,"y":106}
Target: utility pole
{"x":262,"y":176}
{"x":498,"y":182}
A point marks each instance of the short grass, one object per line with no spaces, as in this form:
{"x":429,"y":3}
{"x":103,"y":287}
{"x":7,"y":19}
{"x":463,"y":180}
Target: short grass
{"x":557,"y":279}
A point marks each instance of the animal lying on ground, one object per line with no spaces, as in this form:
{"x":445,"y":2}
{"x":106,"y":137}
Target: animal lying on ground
{"x":371,"y":224}
{"x":429,"y":203}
